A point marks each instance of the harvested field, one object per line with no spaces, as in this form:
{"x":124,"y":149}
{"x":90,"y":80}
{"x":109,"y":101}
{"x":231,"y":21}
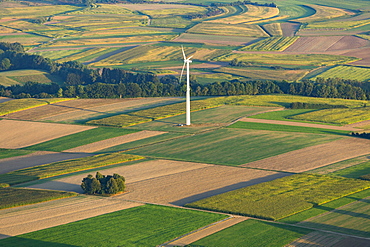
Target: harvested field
{"x":315,"y":156}
{"x":148,"y":6}
{"x":97,"y":146}
{"x":93,"y":112}
{"x":4,"y":99}
{"x":35,"y":159}
{"x":21,"y":134}
{"x":16,"y":221}
{"x":323,"y":12}
{"x":326,"y":43}
{"x":172,"y":182}
{"x":363,"y":53}
{"x":289,"y":29}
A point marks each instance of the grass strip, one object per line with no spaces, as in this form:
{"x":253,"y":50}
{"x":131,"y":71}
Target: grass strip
{"x":7,"y":153}
{"x":64,"y":167}
{"x":147,"y":225}
{"x":326,"y":207}
{"x":254,"y":233}
{"x":23,"y":104}
{"x":13,"y":197}
{"x":81,"y":138}
{"x":285,"y":128}
{"x":282,"y":197}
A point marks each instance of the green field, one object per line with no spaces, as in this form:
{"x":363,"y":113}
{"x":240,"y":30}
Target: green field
{"x":13,"y":197}
{"x":253,"y":233}
{"x":13,"y":77}
{"x":148,"y":225}
{"x":23,"y":104}
{"x":302,"y":59}
{"x":326,"y":207}
{"x":346,"y":72}
{"x":65,"y":167}
{"x":232,"y":146}
{"x":282,"y":197}
{"x":285,"y":128}
{"x":341,"y":165}
{"x":355,"y":171}
{"x":7,"y":153}
{"x":79,"y":139}
{"x":271,"y":44}
{"x":350,"y":219}
{"x":337,"y":116}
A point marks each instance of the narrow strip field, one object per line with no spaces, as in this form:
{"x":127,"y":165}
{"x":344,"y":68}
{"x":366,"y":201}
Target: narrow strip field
{"x":16,"y":221}
{"x":22,"y":134}
{"x":97,"y":146}
{"x":315,"y":156}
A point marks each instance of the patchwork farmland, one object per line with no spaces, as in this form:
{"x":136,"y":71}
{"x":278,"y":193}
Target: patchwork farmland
{"x":275,"y":166}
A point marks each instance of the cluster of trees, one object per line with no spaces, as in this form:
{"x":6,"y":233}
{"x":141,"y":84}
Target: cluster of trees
{"x":81,"y":81}
{"x":362,"y":135}
{"x":211,"y":11}
{"x":303,"y":105}
{"x":101,"y":184}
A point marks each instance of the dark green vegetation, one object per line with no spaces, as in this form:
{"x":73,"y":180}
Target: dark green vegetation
{"x":103,"y":185}
{"x":326,"y":207}
{"x":81,"y":138}
{"x":282,"y":197}
{"x":228,"y":146}
{"x":64,"y":167}
{"x":285,"y":128}
{"x":13,"y":197}
{"x":253,"y":233}
{"x":147,"y":225}
{"x":7,"y":153}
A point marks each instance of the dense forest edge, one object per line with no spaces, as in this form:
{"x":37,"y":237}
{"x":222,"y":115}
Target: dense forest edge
{"x":83,"y":82}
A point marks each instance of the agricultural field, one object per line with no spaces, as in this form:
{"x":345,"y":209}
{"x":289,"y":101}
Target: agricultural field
{"x":292,"y":194}
{"x":226,"y":29}
{"x":158,"y":224}
{"x":323,"y":13}
{"x":271,"y":44}
{"x":337,"y":116}
{"x":7,"y":153}
{"x":264,"y":74}
{"x":346,"y":72}
{"x":20,"y":77}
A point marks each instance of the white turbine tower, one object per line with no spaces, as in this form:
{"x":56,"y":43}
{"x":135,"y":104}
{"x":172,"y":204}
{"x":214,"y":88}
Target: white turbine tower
{"x":187,"y":61}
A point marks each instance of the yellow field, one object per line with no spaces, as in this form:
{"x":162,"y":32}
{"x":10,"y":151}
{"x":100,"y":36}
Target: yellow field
{"x":165,"y":12}
{"x":226,"y":29}
{"x":82,"y":54}
{"x":324,"y":12}
{"x":104,"y":9}
{"x":157,"y":53}
{"x":274,"y":29}
{"x":35,"y":11}
{"x":254,"y":13}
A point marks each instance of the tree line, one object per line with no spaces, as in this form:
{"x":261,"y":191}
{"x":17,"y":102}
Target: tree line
{"x":81,"y":81}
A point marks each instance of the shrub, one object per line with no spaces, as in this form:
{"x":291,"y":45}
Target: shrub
{"x":101,"y":184}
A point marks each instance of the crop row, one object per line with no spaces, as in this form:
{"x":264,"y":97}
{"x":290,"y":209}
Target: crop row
{"x":23,"y":104}
{"x":148,"y":115}
{"x":229,"y":29}
{"x":271,"y":44}
{"x":347,"y":72}
{"x":64,"y":167}
{"x":282,"y":197}
{"x":336,"y":116}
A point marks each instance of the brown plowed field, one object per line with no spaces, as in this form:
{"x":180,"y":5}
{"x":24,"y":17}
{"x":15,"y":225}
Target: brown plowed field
{"x":16,"y":221}
{"x":100,"y":145}
{"x":326,"y":43}
{"x":21,"y":134}
{"x":316,"y":156}
{"x":80,"y":107}
{"x":289,"y":29}
{"x":172,"y":182}
{"x":102,"y":110}
{"x":35,"y":159}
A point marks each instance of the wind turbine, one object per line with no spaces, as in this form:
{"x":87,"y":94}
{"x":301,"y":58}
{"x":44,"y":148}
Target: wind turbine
{"x":187,"y":61}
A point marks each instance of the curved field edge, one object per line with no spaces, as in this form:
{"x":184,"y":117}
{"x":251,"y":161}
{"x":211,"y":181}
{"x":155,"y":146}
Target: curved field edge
{"x":282,"y":197}
{"x":65,"y":167}
{"x":14,"y":197}
{"x":147,"y":225}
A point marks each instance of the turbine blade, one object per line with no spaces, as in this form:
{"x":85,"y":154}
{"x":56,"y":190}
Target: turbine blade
{"x":190,"y":57}
{"x":183,"y":52}
{"x":182,"y":72}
